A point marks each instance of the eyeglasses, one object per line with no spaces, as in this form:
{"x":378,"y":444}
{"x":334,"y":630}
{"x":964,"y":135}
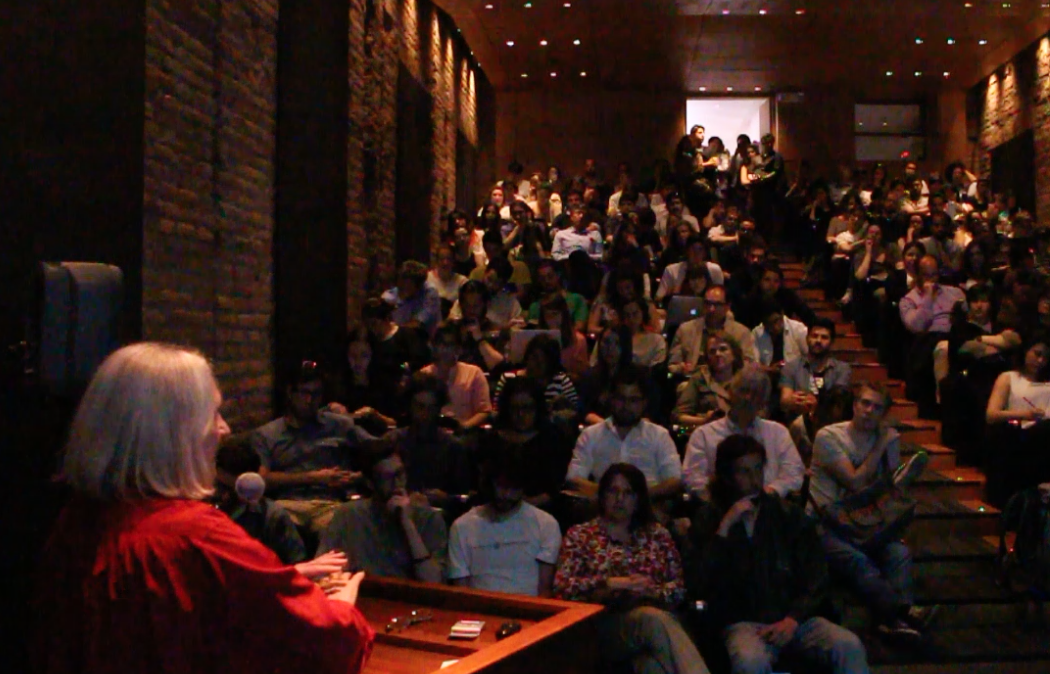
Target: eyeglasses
{"x":414,"y":618}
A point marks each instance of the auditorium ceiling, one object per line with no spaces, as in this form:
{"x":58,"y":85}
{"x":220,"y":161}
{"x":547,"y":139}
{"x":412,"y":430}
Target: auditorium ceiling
{"x":894,"y":46}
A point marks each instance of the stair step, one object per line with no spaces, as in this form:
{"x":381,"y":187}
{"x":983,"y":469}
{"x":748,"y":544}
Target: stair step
{"x":904,"y":410}
{"x":792,"y":273}
{"x":832,"y":315}
{"x":1020,"y":667}
{"x":850,"y":340}
{"x":962,"y":484}
{"x":822,"y":305}
{"x":811,"y":294}
{"x":968,"y":644}
{"x":791,"y":264}
{"x":946,"y":529}
{"x":941,"y":457}
{"x":858,"y":356}
{"x":920,"y":431}
{"x":869,"y":372}
{"x":993,"y":540}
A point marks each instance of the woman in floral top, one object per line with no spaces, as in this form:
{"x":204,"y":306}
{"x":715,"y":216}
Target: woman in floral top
{"x":627,"y":561}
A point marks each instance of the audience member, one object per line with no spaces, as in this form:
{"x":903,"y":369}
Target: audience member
{"x":802,"y":379}
{"x":580,"y":236}
{"x":779,"y":339}
{"x":395,"y":353}
{"x":762,"y":571}
{"x":308,"y":455}
{"x":687,"y":345}
{"x":649,"y":348}
{"x":749,"y":391}
{"x":468,"y":389}
{"x":614,"y":354}
{"x":542,"y":365}
{"x":355,"y":396}
{"x":550,"y":286}
{"x":554,"y":315}
{"x":705,"y":396}
{"x":627,"y":561}
{"x":482,"y":342}
{"x":502,"y":308}
{"x":444,"y":279}
{"x":674,"y":275}
{"x":505,"y":545}
{"x":394,"y":533}
{"x":416,"y":304}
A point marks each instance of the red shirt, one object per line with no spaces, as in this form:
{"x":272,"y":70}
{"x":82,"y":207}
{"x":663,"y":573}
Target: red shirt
{"x":175,"y":586}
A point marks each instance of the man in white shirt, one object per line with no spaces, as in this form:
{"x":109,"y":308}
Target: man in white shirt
{"x":506,"y":545}
{"x":778,"y":338}
{"x":626,"y":437}
{"x":748,"y":394}
{"x":577,"y":237}
{"x":674,"y":275}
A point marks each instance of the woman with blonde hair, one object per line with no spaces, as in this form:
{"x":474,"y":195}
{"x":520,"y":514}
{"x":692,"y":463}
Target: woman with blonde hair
{"x":141,"y":575}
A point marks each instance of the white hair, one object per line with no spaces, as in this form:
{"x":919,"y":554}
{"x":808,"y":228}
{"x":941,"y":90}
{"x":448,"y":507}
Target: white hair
{"x":751,"y":382}
{"x":140,"y":428}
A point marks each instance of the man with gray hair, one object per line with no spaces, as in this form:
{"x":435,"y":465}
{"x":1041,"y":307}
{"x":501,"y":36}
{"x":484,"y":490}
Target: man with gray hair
{"x":749,"y":392}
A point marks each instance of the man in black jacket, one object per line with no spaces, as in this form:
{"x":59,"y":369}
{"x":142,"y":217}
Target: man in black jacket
{"x":758,"y":563}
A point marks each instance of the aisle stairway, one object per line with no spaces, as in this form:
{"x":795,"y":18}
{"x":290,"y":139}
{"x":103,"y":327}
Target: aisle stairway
{"x":980,"y":628}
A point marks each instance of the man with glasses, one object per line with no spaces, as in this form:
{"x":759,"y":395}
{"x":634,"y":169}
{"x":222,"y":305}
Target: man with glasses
{"x":847,"y":458}
{"x":688,"y":344}
{"x":308,"y":454}
{"x":393,"y":534}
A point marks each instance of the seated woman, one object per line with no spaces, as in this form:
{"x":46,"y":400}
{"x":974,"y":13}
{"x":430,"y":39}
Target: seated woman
{"x":613,"y":355}
{"x":705,"y":396}
{"x":623,"y":285}
{"x":627,"y":561}
{"x":649,"y":348}
{"x":871,"y":267}
{"x":444,"y":279}
{"x":554,"y":315}
{"x":1018,"y":431}
{"x":354,"y":396}
{"x":142,"y":575}
{"x":503,"y":309}
{"x":523,"y":421}
{"x":481,"y":341}
{"x":468,"y":389}
{"x":543,"y":367}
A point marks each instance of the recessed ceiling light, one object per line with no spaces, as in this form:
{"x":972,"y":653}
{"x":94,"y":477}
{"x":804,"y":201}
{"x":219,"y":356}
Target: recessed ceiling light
{"x":918,"y":40}
{"x":703,"y":88}
{"x":510,"y":43}
{"x":967,"y":5}
{"x":729,"y":88}
{"x":947,"y":74}
{"x":800,"y":12}
{"x":583,"y":73}
{"x":554,"y":74}
{"x":762,"y":12}
{"x":524,"y":76}
{"x":885,"y":123}
{"x":543,"y":43}
{"x":725,"y":11}
{"x":982,"y":42}
{"x":758,"y":88}
{"x":860,"y":123}
{"x":889,"y":73}
{"x":1007,"y":5}
{"x":567,"y":5}
{"x":951,"y":40}
{"x":576,"y":42}
{"x":918,"y":73}
{"x":488,"y":6}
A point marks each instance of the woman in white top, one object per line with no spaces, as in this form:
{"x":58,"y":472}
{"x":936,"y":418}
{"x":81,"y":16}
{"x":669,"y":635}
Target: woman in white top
{"x":1023,"y":395}
{"x":649,"y":348}
{"x":443,"y":278}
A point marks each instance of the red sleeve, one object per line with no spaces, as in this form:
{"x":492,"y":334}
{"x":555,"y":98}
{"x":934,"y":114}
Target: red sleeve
{"x":286,"y":622}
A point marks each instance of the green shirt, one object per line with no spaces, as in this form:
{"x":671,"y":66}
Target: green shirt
{"x":577,"y":307}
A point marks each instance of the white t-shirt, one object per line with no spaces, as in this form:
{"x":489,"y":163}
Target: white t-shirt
{"x":446,"y":291}
{"x":504,"y":555}
{"x":1026,"y":394}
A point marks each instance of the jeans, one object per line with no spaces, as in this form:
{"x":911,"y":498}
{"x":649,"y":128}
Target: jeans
{"x":883,"y":577}
{"x":651,"y":639}
{"x":816,"y":639}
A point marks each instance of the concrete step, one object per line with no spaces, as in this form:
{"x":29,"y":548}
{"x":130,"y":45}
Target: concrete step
{"x":820,"y":304}
{"x":842,"y":327}
{"x":832,"y":315}
{"x":1028,"y":666}
{"x":960,"y":484}
{"x":793,"y":265}
{"x":851,"y":356}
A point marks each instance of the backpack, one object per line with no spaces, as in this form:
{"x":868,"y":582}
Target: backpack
{"x":1027,"y":565}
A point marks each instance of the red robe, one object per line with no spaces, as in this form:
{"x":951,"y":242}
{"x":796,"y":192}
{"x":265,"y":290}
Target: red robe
{"x":175,"y":586}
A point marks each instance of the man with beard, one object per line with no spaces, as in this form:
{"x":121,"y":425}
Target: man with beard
{"x":804,"y":378}
{"x":760,"y":567}
{"x":749,"y":391}
{"x":506,"y":545}
{"x":626,"y":437}
{"x":550,"y":286}
{"x":393,"y":534}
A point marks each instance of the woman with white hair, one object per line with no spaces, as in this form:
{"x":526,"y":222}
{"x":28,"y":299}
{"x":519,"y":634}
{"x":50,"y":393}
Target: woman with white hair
{"x":141,"y":575}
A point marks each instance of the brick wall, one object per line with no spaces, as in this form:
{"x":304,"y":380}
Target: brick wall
{"x":208,"y":201}
{"x":1016,"y":98}
{"x":210,"y":130}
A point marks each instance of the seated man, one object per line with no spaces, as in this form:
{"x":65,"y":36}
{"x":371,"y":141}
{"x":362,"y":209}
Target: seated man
{"x":749,"y":392}
{"x":550,"y":286}
{"x":307,"y":455}
{"x":492,"y":243}
{"x":261,"y":517}
{"x":779,"y":339}
{"x":395,"y":351}
{"x":926,"y":313}
{"x":416,"y":304}
{"x":847,"y":457}
{"x":578,"y":237}
{"x":758,"y":563}
{"x":506,"y":545}
{"x":437,"y":464}
{"x":626,"y":437}
{"x":802,"y":379}
{"x":770,"y":286}
{"x":688,"y":343}
{"x":393,"y":534}
{"x":504,"y":309}
{"x":673,"y":279}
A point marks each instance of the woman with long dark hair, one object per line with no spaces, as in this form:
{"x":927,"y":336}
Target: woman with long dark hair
{"x":614,"y":354}
{"x":555,"y":315}
{"x":627,"y":561}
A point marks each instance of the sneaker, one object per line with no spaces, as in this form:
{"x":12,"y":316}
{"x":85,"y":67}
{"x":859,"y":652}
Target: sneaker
{"x":910,"y":470}
{"x":900,"y":631}
{"x":920,"y":617}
